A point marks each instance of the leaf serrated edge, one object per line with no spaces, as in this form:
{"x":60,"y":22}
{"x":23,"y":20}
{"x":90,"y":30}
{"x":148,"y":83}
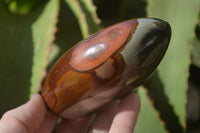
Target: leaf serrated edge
{"x":49,"y":48}
{"x":152,"y":103}
{"x":78,"y":12}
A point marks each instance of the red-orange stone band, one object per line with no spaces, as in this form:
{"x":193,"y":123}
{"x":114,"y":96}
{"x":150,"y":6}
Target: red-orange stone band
{"x":95,"y":51}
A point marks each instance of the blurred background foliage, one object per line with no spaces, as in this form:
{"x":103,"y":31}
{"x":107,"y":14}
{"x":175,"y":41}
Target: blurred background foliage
{"x":34,"y":34}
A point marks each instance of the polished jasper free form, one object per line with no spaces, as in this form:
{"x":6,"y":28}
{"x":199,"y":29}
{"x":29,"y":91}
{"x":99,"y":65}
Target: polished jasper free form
{"x":105,"y":66}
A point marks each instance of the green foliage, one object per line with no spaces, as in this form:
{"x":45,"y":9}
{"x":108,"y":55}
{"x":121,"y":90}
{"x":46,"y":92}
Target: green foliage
{"x":148,"y":120}
{"x":85,"y":14}
{"x":31,"y":42}
{"x":16,"y":57}
{"x":21,"y":7}
{"x":196,"y":45}
{"x":43,"y":30}
{"x":176,"y":63}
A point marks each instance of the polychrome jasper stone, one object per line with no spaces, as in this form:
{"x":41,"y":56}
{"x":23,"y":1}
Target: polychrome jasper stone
{"x":105,"y":66}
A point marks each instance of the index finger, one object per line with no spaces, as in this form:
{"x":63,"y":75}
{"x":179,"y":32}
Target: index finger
{"x":126,"y":116}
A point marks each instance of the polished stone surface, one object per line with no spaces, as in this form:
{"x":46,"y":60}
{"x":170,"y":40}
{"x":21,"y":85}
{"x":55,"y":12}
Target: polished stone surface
{"x":105,"y":66}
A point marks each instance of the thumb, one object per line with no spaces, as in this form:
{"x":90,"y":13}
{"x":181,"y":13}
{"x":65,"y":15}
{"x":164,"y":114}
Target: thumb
{"x":26,"y":118}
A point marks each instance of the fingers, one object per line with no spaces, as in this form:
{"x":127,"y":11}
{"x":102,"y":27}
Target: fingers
{"x":48,"y":123}
{"x":104,"y":118}
{"x":24,"y":119}
{"x":74,"y":126}
{"x":32,"y":115}
{"x":125,"y":119}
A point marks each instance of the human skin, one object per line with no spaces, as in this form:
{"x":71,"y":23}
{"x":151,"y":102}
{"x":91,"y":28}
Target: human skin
{"x":33,"y":117}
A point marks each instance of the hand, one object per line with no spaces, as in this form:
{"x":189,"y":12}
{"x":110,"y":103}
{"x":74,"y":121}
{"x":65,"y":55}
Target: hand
{"x":32,"y":117}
